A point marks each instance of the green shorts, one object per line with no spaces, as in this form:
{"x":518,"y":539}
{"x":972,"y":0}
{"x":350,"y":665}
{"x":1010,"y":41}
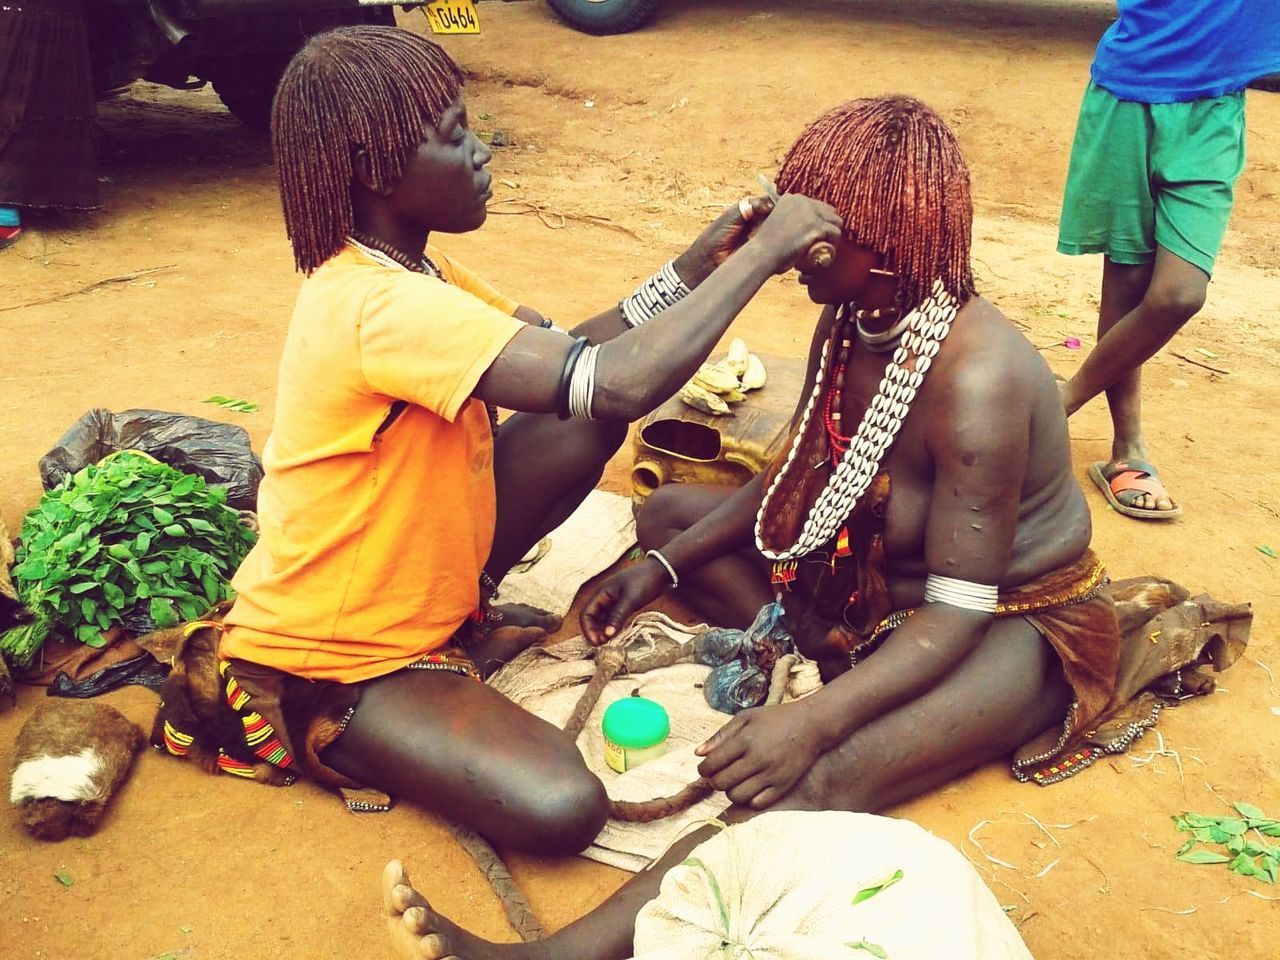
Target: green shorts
{"x":1144,"y":175}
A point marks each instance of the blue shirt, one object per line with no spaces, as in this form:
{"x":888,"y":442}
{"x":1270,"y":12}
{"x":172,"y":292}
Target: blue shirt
{"x":1167,"y":51}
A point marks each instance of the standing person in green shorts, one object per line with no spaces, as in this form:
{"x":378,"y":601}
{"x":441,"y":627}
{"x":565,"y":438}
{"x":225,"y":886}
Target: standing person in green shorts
{"x":1158,"y":147}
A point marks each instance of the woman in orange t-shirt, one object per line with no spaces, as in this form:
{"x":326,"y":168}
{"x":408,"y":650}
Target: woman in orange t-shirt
{"x":389,"y":509}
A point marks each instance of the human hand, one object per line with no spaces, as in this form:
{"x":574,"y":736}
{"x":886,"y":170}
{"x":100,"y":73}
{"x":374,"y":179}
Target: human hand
{"x":721,"y":238}
{"x":794,"y":226}
{"x":618,"y":598}
{"x":759,"y":755}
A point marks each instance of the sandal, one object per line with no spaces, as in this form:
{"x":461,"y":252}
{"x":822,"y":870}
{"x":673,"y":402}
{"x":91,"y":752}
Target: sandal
{"x":9,"y":236}
{"x":1131,"y":477}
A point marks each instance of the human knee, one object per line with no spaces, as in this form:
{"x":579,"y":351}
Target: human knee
{"x":1176,"y":303}
{"x":566,"y":815}
{"x":659,"y":517}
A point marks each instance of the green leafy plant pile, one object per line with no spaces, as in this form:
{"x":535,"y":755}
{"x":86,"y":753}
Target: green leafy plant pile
{"x":1243,"y":838}
{"x":129,"y":542}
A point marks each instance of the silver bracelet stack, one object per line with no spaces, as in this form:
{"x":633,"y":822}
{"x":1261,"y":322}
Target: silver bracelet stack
{"x":965,"y":594}
{"x":582,"y":386}
{"x":664,"y":289}
{"x":666,"y":565}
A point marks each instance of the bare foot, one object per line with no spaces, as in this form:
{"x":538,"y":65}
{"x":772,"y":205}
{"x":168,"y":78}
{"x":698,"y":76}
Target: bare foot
{"x":523,"y":615}
{"x":419,"y":933}
{"x":519,"y":626}
{"x":500,"y":646}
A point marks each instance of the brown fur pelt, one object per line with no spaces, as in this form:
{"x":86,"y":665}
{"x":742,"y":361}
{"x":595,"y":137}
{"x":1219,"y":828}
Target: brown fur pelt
{"x":193,"y":699}
{"x":70,"y":758}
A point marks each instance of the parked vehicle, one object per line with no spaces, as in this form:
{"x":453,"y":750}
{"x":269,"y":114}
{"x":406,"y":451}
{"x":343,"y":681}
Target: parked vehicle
{"x":605,"y":16}
{"x":241,"y":47}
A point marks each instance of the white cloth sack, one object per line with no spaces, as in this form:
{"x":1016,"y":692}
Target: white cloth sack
{"x":781,"y":887}
{"x":588,"y":543}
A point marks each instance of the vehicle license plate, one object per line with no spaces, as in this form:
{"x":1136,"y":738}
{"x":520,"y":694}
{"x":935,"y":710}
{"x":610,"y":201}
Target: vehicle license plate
{"x":452,"y":16}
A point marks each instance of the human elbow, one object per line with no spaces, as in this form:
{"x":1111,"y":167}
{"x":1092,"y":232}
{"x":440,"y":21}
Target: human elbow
{"x":624,"y":391}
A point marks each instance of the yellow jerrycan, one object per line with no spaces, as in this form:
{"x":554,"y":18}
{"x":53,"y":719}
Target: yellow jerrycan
{"x":678,"y":444}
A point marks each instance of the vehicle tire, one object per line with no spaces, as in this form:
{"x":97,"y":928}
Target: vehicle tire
{"x":247,"y":86}
{"x":604,"y":16}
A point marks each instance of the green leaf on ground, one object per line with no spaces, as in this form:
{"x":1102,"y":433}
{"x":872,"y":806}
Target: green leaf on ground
{"x":1264,"y":549}
{"x":65,"y":878}
{"x":234,"y":403}
{"x":1203,"y":856}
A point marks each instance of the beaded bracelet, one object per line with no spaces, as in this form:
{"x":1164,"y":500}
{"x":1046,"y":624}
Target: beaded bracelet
{"x":664,"y":289}
{"x":666,"y":565}
{"x":566,"y":377}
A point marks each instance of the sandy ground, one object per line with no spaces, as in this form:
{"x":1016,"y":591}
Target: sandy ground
{"x":654,"y":131}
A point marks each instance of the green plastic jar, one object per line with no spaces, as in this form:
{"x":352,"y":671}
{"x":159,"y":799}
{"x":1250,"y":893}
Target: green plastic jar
{"x":635,"y":731}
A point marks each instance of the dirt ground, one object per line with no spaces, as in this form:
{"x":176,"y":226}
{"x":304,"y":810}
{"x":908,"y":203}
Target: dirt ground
{"x":655,"y":131}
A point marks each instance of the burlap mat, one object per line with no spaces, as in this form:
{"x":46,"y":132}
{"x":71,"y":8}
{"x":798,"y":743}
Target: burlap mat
{"x":596,"y":534}
{"x":548,"y":681}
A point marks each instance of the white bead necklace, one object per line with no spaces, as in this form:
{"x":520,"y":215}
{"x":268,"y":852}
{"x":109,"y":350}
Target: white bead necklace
{"x":384,"y":258}
{"x":925,"y":328}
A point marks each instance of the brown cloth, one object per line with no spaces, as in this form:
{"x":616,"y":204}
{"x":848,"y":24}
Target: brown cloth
{"x":77,"y":660}
{"x":1138,"y":646}
{"x":241,"y":718}
{"x":47,"y":107}
{"x":1128,"y":649}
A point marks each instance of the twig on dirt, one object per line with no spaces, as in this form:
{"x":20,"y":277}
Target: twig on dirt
{"x":1106,"y":880}
{"x":1200,"y":363}
{"x":1161,"y":751}
{"x":554,"y":219}
{"x":1267,"y":507}
{"x":88,"y":288}
{"x":973,"y":838}
{"x":1177,"y":913}
{"x":1046,"y":869}
{"x":1270,"y":676}
{"x":1043,"y":829}
{"x":987,"y":267}
{"x":1225,"y":801}
{"x":978,"y":844}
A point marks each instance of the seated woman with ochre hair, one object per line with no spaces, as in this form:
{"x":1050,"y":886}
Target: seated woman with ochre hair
{"x":923,"y":530}
{"x":392,"y":503}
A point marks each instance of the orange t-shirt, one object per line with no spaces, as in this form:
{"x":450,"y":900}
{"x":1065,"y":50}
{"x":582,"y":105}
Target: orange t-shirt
{"x":371,"y":546}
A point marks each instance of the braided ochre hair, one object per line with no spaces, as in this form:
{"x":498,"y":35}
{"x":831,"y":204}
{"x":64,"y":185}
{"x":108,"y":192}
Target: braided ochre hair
{"x":376,"y":89}
{"x":893,"y":171}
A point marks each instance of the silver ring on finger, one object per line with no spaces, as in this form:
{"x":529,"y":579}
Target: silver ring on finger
{"x":745,"y":210}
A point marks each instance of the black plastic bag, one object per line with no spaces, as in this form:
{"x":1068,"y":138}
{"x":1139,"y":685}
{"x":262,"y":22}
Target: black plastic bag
{"x":143,"y":670}
{"x":219,"y":452}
